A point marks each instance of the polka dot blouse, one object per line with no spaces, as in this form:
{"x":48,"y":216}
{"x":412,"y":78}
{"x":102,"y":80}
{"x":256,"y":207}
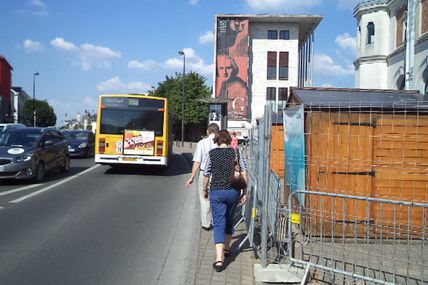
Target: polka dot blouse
{"x":219,"y":166}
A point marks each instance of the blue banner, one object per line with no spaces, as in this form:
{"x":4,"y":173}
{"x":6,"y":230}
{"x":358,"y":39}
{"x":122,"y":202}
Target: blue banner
{"x":295,"y":150}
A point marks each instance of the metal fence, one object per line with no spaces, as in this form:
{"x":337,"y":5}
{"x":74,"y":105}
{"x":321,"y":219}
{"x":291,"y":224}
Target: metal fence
{"x":386,"y":245}
{"x":359,"y":212}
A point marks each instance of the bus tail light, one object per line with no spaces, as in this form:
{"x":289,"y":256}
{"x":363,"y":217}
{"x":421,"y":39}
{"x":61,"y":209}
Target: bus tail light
{"x":159,"y":148}
{"x":102,"y":145}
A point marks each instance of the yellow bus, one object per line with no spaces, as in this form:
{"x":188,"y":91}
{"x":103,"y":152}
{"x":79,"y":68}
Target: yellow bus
{"x":133,"y":129}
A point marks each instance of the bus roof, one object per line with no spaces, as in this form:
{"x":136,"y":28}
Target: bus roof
{"x":133,"y":95}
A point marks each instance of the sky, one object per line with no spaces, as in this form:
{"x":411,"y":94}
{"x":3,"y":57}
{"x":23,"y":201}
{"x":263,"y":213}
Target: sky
{"x":82,"y":48}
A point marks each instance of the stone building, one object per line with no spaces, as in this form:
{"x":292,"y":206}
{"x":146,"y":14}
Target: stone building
{"x":392,"y":42}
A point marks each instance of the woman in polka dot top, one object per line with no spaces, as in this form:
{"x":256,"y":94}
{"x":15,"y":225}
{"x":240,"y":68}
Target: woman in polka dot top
{"x":223,"y":197}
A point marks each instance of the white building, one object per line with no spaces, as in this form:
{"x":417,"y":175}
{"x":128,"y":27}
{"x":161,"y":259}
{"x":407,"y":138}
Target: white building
{"x":392,"y":44}
{"x":17,"y":101}
{"x":258,"y":58}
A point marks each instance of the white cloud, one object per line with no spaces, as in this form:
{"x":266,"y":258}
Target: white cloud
{"x":38,"y":3}
{"x":71,"y":108}
{"x":347,"y":42}
{"x":207,"y":38}
{"x":194,"y":2}
{"x":325,"y":65}
{"x":33,"y":46}
{"x":115,"y":84}
{"x":61,"y":44}
{"x":38,"y":8}
{"x":145,"y":65}
{"x":87,"y":55}
{"x":281,"y":5}
{"x":193,"y":63}
{"x":327,"y":85}
{"x":347,"y":4}
{"x":90,"y":103}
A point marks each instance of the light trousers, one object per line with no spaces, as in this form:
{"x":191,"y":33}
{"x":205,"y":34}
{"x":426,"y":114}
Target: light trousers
{"x":206,"y":216}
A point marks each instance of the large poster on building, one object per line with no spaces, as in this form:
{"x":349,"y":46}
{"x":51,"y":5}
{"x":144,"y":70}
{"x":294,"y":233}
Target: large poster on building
{"x":232,"y":65}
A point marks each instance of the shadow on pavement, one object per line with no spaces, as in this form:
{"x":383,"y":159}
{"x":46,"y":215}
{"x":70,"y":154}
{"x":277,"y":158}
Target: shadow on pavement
{"x":235,"y":251}
{"x":178,"y":166}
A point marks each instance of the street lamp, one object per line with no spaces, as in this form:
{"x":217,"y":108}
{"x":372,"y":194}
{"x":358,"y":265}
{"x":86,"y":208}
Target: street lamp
{"x":182,"y":104}
{"x":34,"y":97}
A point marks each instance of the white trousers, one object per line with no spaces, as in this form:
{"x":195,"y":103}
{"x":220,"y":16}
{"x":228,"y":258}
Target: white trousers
{"x":206,"y":216}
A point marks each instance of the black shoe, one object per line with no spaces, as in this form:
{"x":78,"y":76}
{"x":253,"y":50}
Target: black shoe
{"x":207,"y":228}
{"x":218,"y":266}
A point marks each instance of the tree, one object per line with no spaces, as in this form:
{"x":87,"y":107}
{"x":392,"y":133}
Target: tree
{"x":45,"y":115}
{"x":194,"y":88}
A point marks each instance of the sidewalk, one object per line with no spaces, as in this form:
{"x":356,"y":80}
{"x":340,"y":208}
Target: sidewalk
{"x":239,"y":265}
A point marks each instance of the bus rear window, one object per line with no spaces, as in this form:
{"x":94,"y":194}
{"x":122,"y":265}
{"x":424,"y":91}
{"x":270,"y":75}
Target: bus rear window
{"x":115,"y":121}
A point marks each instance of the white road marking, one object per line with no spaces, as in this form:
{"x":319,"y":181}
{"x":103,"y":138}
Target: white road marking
{"x":19,"y":189}
{"x":53,"y":185}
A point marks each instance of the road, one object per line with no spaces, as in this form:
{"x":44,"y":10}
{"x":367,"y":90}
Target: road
{"x":99,"y":225}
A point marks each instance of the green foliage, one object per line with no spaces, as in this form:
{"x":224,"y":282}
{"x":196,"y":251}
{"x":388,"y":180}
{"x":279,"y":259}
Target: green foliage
{"x":194,"y":88}
{"x":45,"y":115}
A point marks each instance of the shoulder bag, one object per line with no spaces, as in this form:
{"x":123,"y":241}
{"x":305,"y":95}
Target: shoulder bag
{"x":237,"y":181}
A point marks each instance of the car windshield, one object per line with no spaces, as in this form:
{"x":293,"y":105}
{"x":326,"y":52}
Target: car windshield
{"x":19,"y":138}
{"x":2,"y":128}
{"x":76,"y":135}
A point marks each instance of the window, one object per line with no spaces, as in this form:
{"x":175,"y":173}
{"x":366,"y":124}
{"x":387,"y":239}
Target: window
{"x":370,"y":32}
{"x":284,"y":35}
{"x":282,"y":94}
{"x":400,"y":33}
{"x":270,"y":94}
{"x":271,"y":65}
{"x":271,"y":98}
{"x":424,"y":16}
{"x":282,"y":97}
{"x":272,"y":35}
{"x":283,"y":65}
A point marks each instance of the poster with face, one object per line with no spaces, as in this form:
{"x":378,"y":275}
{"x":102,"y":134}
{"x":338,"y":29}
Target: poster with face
{"x":232,"y":65}
{"x":215,"y":114}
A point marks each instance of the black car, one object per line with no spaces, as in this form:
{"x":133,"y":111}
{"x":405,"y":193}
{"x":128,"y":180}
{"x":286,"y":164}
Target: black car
{"x":80,"y":143}
{"x":32,"y":152}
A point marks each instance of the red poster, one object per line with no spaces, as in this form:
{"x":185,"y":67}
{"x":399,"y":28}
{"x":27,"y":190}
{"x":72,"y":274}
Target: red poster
{"x":232,"y":65}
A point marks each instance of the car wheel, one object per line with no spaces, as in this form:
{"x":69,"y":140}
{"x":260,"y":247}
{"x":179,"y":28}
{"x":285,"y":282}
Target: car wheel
{"x":40,"y":172}
{"x":66,"y":166}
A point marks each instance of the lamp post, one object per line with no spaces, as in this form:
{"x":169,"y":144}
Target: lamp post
{"x":182,"y":104}
{"x":34,"y":97}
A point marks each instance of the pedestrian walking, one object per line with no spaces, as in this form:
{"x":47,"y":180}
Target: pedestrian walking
{"x":218,"y":172}
{"x":234,"y":142}
{"x":199,"y":159}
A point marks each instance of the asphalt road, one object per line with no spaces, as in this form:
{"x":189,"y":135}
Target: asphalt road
{"x":99,"y":225}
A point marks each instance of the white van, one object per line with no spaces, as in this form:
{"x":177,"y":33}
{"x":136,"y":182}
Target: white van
{"x":6,"y":126}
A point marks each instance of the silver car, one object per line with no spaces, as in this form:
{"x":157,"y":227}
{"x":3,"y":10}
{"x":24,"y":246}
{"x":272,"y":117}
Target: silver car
{"x":32,"y":152}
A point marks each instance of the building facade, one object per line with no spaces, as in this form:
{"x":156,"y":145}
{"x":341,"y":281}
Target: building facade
{"x":5,"y":85}
{"x":17,"y":99}
{"x":258,"y":58}
{"x":392,"y":42}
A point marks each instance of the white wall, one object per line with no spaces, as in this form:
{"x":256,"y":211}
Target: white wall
{"x":259,"y":46}
{"x":372,"y":72}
